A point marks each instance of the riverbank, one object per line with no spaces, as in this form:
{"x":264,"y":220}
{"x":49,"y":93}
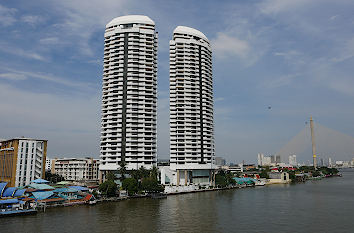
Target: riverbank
{"x":313,"y":206}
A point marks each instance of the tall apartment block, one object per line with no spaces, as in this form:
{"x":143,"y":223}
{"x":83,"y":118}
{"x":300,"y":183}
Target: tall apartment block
{"x":22,"y":160}
{"x":128,"y":125}
{"x":191,"y":105}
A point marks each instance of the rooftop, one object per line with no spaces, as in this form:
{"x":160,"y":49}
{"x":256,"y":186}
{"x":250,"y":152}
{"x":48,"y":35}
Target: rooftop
{"x":127,"y":19}
{"x":21,"y":138}
{"x":190,"y":31}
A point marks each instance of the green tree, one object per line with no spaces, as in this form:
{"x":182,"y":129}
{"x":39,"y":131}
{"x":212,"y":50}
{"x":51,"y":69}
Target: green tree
{"x":264,"y":174}
{"x":53,"y":178}
{"x":154,"y":173}
{"x":111,"y":176}
{"x":316,"y":173}
{"x":131,"y":185}
{"x":122,"y":170}
{"x":151,"y":185}
{"x":224,"y":179}
{"x":109,"y":187}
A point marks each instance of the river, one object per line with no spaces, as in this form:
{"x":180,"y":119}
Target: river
{"x":326,"y":205}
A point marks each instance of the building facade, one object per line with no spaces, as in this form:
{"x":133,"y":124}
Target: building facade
{"x":128,"y":124}
{"x":191,"y":105}
{"x":22,"y":160}
{"x":292,"y":160}
{"x":77,"y":169}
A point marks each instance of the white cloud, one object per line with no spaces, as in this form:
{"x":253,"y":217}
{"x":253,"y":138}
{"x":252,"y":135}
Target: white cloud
{"x":224,"y":46}
{"x":13,"y":76}
{"x":47,"y":77}
{"x":32,"y":20}
{"x":21,"y":52}
{"x":7,"y":16}
{"x":50,"y":41}
{"x":280,"y":6}
{"x":333,"y":17}
{"x":80,"y":19}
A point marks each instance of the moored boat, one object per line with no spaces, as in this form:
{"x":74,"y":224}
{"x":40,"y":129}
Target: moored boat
{"x":15,"y":207}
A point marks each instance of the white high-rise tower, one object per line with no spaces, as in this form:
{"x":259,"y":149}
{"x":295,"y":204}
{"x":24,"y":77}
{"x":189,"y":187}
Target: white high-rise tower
{"x":191,"y":103}
{"x":128,"y":125}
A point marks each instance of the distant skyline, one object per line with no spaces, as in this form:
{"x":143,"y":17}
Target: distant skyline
{"x":275,"y":63}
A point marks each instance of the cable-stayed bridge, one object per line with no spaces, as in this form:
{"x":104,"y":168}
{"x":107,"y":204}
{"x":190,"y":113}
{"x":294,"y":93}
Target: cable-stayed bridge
{"x":329,"y":144}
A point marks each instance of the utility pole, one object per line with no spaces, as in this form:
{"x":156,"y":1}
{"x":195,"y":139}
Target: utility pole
{"x":313,"y":144}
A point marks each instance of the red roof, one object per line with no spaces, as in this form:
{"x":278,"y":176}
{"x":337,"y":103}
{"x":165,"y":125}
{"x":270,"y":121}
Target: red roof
{"x":88,"y":197}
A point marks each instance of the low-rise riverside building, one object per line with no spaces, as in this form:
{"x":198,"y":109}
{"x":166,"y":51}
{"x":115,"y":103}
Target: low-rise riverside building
{"x":278,"y":178}
{"x":77,"y":169}
{"x":22,"y":160}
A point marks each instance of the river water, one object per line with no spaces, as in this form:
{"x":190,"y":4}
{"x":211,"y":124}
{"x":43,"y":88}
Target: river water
{"x":315,"y":206}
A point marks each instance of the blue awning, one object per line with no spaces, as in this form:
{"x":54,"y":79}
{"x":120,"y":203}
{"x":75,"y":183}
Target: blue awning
{"x":80,"y":188}
{"x":40,"y":181}
{"x":9,"y":201}
{"x":19,"y":192}
{"x":42,"y":195}
{"x":65,"y":190}
{"x":9,"y":192}
{"x":40,"y":186}
{"x":2,"y":187}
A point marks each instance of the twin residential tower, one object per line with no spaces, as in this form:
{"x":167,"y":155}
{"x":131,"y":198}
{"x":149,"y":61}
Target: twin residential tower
{"x":129,"y":97}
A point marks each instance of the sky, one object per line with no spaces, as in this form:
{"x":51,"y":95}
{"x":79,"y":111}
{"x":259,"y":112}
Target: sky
{"x":275,"y":63}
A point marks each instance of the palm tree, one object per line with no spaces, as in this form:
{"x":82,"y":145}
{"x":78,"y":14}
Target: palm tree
{"x":122,"y":170}
{"x":154,"y":173}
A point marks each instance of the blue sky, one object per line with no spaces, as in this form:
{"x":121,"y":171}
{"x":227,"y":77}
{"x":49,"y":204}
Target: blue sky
{"x":295,"y":56}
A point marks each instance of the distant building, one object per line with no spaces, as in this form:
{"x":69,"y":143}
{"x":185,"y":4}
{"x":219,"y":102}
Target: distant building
{"x":292,"y":160}
{"x":77,"y":169}
{"x":278,"y":178}
{"x":330,"y":162}
{"x":275,"y":159}
{"x":235,"y":168}
{"x":22,"y":160}
{"x":47,"y":164}
{"x":219,"y":161}
{"x":265,"y":160}
{"x":248,"y":167}
{"x":163,"y":162}
{"x":260,"y":158}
